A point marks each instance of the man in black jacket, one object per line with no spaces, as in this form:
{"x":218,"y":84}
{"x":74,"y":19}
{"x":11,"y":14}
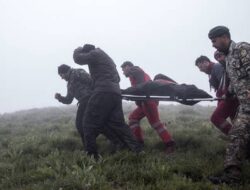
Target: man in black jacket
{"x":104,"y":108}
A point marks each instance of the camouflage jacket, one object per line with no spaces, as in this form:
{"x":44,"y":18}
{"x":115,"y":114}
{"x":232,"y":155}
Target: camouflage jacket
{"x":238,"y":70}
{"x":79,"y":86}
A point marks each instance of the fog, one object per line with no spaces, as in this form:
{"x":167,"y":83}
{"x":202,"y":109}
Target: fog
{"x":160,"y":36}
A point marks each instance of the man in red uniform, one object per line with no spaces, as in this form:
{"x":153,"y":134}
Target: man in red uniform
{"x":219,"y":81}
{"x":147,"y":108}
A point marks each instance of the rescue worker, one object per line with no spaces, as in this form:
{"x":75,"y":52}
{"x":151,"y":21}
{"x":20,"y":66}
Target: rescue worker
{"x":79,"y":87}
{"x":147,"y":108}
{"x":238,"y":71}
{"x":104,"y":108}
{"x":217,"y":80}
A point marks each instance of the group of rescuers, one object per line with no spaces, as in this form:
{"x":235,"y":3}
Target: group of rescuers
{"x":100,"y":102}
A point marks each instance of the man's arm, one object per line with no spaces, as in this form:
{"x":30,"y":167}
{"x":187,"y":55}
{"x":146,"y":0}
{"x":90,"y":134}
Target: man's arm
{"x":83,"y":58}
{"x":244,"y":55}
{"x":137,"y":74}
{"x":64,"y":99}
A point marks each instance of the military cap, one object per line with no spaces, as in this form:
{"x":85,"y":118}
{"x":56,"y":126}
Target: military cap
{"x":218,"y":31}
{"x":127,"y":63}
{"x":62,"y":69}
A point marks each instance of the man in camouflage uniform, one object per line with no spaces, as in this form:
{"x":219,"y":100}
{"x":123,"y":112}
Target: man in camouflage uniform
{"x":238,"y":70}
{"x":78,"y":86}
{"x":104,"y":108}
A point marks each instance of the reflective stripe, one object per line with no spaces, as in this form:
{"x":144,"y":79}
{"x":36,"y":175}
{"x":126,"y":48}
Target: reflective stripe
{"x":159,"y":127}
{"x":160,"y":130}
{"x":134,"y":126}
{"x":157,"y":124}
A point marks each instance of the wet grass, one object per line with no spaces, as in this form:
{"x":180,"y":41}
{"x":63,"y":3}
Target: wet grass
{"x":50,"y":156}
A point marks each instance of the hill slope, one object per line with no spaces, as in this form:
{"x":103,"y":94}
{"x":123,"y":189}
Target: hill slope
{"x":40,"y":149}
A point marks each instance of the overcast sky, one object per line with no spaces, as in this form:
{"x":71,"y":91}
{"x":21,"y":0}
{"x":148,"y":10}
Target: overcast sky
{"x":161,"y":36}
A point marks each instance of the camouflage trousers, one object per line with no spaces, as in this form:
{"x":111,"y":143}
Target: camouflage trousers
{"x":238,"y":146}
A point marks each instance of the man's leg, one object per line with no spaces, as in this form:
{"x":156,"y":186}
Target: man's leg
{"x":134,"y":124}
{"x":150,"y":109}
{"x":93,"y":123}
{"x":117,"y":124}
{"x":236,"y":150}
{"x":102,"y":111}
{"x":220,"y":115}
{"x":79,"y":119}
{"x":115,"y":143}
{"x":239,"y":139}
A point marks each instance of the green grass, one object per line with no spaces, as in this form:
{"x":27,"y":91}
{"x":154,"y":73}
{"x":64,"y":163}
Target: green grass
{"x":49,"y":155}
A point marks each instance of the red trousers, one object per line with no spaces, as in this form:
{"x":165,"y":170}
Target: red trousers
{"x":224,"y":109}
{"x":150,"y":110}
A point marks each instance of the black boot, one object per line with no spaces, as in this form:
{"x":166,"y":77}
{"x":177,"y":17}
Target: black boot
{"x":96,"y":156}
{"x":230,"y":176}
{"x":170,"y":147}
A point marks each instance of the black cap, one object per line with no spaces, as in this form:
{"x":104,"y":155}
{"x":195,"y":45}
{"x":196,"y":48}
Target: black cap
{"x":218,"y":31}
{"x":127,"y":63}
{"x":62,"y":69}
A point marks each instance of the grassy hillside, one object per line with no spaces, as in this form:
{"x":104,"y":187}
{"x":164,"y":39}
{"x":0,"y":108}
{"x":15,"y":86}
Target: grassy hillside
{"x":40,"y":149}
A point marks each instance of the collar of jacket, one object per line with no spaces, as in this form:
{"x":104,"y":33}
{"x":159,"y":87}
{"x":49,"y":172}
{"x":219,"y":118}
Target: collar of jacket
{"x":231,"y":47}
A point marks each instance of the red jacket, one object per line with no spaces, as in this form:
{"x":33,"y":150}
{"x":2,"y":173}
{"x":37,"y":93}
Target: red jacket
{"x":137,"y":76}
